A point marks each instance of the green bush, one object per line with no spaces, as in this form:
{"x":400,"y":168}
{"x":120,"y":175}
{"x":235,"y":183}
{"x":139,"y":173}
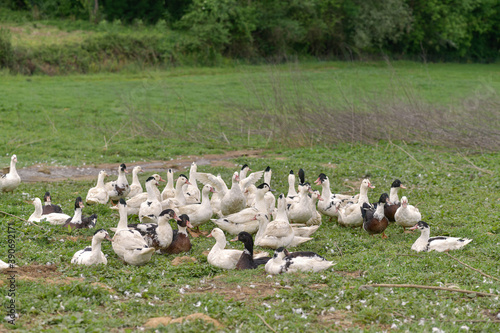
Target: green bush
{"x":6,"y":55}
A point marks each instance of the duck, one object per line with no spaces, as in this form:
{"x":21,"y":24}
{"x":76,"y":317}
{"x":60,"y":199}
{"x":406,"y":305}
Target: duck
{"x":292,"y":193}
{"x":328,"y":206}
{"x":98,"y":194}
{"x":10,"y":181}
{"x":351,"y":215}
{"x":247,"y":260}
{"x":128,"y":244}
{"x":169,"y":190}
{"x":392,"y":206}
{"x":92,"y":255}
{"x":313,"y":224}
{"x":202,"y":212}
{"x":220,"y":188}
{"x":303,"y":261}
{"x":135,"y":187}
{"x":234,"y":200}
{"x":247,"y":181}
{"x":219,"y":256}
{"x":158,"y":235}
{"x":269,"y":197}
{"x":439,"y":243}
{"x":245,"y":220}
{"x":52,"y":218}
{"x":134,"y":204}
{"x":151,"y":208}
{"x":407,"y":215}
{"x":316,"y":216}
{"x":276,"y":233}
{"x":48,"y":207}
{"x":191,"y":191}
{"x":118,"y":188}
{"x":179,"y":199}
{"x":300,"y":211}
{"x":374,"y":220}
{"x":78,"y":221}
{"x":180,"y":241}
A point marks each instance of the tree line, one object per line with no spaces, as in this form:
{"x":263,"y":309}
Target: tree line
{"x":435,"y":30}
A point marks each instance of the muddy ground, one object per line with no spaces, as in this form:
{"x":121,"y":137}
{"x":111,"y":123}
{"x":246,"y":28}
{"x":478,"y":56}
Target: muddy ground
{"x":46,"y":173}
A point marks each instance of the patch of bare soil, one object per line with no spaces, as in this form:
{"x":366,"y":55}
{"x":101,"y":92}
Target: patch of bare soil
{"x":355,"y":274}
{"x":155,"y":322}
{"x":343,"y":320}
{"x":48,"y":173}
{"x":237,"y":292}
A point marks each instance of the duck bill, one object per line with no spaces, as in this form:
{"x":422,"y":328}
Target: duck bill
{"x":317,"y":181}
{"x":189,"y":225}
{"x":402,"y":186}
{"x":234,"y":239}
{"x":162,"y":180}
{"x":414,"y":227}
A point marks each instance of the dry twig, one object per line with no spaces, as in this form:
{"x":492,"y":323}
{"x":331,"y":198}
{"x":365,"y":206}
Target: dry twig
{"x":407,"y":153}
{"x":474,"y":269}
{"x":269,"y":326}
{"x":385,"y":285}
{"x":21,"y":219}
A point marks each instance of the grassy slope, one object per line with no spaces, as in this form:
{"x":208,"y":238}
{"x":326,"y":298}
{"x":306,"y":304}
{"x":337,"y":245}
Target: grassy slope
{"x":75,"y":113}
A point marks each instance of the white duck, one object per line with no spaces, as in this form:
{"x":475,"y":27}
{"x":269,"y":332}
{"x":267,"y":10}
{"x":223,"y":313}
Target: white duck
{"x":135,"y":187}
{"x":220,"y":189}
{"x":169,"y":190}
{"x":151,"y":208}
{"x":92,"y":255}
{"x":245,"y":220}
{"x":191,"y":191}
{"x":234,"y":200}
{"x":300,"y":211}
{"x":10,"y":181}
{"x":128,"y":244}
{"x":278,"y":232}
{"x":247,"y":181}
{"x":118,"y":188}
{"x":98,"y":194}
{"x":202,"y":212}
{"x":52,"y":218}
{"x":327,"y":206}
{"x":351,"y":215}
{"x":313,"y":224}
{"x":133,"y":204}
{"x":269,"y":197}
{"x":291,"y":186}
{"x":180,"y":199}
{"x":286,"y":262}
{"x":440,"y":243}
{"x":407,"y":215}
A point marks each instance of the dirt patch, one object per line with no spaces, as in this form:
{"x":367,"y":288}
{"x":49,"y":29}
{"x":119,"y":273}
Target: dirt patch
{"x":48,"y":173}
{"x":38,"y":271}
{"x":180,"y":260}
{"x":355,"y":274}
{"x":155,"y":322}
{"x":237,"y":292}
{"x":343,"y":320}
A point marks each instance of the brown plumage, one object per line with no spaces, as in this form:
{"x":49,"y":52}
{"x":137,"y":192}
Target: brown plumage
{"x":392,"y":206}
{"x":49,"y":208}
{"x":78,"y":221}
{"x":374,"y":220}
{"x":246,"y":260}
{"x":180,"y":241}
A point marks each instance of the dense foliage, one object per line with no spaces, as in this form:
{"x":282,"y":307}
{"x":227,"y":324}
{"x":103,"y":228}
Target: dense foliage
{"x":432,"y":30}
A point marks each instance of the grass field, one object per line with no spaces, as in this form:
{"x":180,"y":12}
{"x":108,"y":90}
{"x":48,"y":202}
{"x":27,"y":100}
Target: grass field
{"x":96,"y":119}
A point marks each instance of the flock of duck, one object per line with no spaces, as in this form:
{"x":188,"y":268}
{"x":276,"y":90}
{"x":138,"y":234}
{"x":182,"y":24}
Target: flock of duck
{"x":241,"y":209}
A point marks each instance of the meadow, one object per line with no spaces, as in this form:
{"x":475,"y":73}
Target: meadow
{"x":187,"y":113}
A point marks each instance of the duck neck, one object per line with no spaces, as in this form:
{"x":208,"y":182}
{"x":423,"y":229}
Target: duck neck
{"x":135,"y":177}
{"x":235,"y":187}
{"x":291,"y":186}
{"x":150,"y":191}
{"x":249,"y":248}
{"x":96,"y":249}
{"x":182,"y":230}
{"x":314,"y":200}
{"x":267,"y":177}
{"x":12,"y":169}
{"x":379,"y":212}
{"x":260,"y":202}
{"x":77,"y":218}
{"x":393,"y":195}
{"x":363,"y":195}
{"x":281,"y":214}
{"x":205,"y":199}
{"x":121,"y":177}
{"x":179,"y":193}
{"x":38,"y":209}
{"x":192,"y":176}
{"x":326,"y":192}
{"x":164,"y":228}
{"x":220,"y":242}
{"x":170,"y":180}
{"x":100,"y":181}
{"x":262,"y":228}
{"x":122,"y":223}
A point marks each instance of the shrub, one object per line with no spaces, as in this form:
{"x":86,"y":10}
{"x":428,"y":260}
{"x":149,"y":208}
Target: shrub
{"x":6,"y":55}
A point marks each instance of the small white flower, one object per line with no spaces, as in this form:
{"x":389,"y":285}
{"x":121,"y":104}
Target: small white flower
{"x":277,"y":317}
{"x":464,"y":327}
{"x":138,"y":295}
{"x":437,"y":330}
{"x":266,"y":305}
{"x":197,"y":305}
{"x":394,"y":326}
{"x":182,"y":291}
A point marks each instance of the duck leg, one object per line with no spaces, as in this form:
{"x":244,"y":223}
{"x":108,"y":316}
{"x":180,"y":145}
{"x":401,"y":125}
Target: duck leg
{"x":384,"y":235}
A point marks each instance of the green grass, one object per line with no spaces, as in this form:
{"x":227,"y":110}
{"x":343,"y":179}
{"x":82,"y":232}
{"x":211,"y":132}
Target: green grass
{"x":115,"y":118}
{"x":108,"y":117}
{"x":457,"y":196}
